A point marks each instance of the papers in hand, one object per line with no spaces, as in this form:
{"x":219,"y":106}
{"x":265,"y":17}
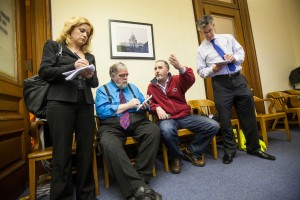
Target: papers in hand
{"x":139,"y":107}
{"x":73,"y":73}
{"x":223,"y":62}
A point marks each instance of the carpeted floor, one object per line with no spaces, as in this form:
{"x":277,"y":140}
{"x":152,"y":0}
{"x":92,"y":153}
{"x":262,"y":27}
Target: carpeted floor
{"x":248,"y":177}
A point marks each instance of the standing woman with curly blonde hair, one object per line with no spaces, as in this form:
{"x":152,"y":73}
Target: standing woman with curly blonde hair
{"x":70,"y":108}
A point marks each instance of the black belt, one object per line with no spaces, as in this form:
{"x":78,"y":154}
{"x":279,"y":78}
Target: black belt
{"x":230,"y":75}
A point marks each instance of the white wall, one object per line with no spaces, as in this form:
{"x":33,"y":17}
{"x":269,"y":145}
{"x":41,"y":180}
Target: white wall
{"x":275,"y":25}
{"x":173,"y":29}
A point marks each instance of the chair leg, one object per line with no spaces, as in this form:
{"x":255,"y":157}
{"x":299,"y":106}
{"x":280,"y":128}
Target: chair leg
{"x":287,"y":129}
{"x":106,"y":176}
{"x":298,"y":116}
{"x":95,"y":172}
{"x":165,"y":156}
{"x":154,"y":171}
{"x":214,"y":147}
{"x":32,"y":181}
{"x":275,"y":123}
{"x":264,"y":132}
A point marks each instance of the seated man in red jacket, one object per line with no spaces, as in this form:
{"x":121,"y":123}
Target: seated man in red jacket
{"x":168,"y":102}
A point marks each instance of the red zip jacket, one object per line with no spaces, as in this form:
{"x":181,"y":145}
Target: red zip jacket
{"x":173,"y":102}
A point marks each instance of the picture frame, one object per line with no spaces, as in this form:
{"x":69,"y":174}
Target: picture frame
{"x":131,"y":40}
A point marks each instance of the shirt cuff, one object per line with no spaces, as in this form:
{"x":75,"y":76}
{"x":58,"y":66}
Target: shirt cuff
{"x":183,"y":70}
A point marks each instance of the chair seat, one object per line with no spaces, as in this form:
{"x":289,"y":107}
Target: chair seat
{"x":130,"y":140}
{"x":46,"y":152}
{"x":271,"y":116}
{"x":184,"y":132}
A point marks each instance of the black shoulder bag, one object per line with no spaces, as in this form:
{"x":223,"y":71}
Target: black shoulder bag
{"x":35,"y":90}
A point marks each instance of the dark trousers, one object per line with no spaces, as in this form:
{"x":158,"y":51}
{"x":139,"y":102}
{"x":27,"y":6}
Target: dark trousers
{"x":233,"y":91}
{"x":64,"y":118}
{"x":112,"y":140}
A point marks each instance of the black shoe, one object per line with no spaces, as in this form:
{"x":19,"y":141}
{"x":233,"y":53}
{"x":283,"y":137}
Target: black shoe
{"x":228,"y":158}
{"x":262,"y":154}
{"x":145,"y":193}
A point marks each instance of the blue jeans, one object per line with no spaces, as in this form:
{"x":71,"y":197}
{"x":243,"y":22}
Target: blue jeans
{"x":204,"y":128}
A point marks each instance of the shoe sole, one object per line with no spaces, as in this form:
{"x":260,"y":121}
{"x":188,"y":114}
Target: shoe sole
{"x":227,"y":163}
{"x":175,"y":172}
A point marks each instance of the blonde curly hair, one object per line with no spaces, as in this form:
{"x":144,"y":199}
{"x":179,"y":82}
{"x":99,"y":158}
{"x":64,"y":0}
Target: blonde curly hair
{"x":65,"y":34}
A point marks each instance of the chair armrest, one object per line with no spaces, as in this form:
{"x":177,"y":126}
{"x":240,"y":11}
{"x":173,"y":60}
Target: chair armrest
{"x":271,"y":102}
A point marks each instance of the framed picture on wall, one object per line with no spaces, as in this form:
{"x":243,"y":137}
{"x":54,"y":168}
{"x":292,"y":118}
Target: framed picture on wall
{"x":131,"y":40}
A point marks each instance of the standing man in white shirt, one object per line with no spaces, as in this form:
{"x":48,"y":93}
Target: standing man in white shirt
{"x":229,"y":87}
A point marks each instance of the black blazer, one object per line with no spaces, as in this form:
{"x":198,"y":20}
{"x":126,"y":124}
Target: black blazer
{"x":51,"y":70}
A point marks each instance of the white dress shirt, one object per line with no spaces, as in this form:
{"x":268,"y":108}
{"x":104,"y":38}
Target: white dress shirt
{"x":207,"y":55}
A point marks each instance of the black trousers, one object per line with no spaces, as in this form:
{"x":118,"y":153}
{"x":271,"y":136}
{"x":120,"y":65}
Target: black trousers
{"x":64,"y":118}
{"x":112,"y":140}
{"x":233,"y":91}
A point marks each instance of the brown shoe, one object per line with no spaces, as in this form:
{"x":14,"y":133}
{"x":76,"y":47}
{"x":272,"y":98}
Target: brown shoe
{"x":175,"y":167}
{"x":195,"y":160}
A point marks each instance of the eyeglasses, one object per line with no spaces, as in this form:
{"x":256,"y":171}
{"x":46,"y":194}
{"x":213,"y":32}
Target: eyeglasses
{"x":123,"y":75}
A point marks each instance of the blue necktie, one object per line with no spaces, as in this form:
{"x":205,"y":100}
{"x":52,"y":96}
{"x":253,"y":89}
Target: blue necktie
{"x":231,"y":66}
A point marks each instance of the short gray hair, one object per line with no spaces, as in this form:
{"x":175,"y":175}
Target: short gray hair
{"x":204,"y":21}
{"x":166,"y":63}
{"x":114,"y":68}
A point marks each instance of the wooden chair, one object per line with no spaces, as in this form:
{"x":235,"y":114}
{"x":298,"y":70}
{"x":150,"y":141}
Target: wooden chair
{"x":39,"y":154}
{"x":184,"y":133}
{"x":294,"y":97}
{"x":207,"y":107}
{"x":281,"y":100}
{"x":129,"y":141}
{"x":273,"y":115}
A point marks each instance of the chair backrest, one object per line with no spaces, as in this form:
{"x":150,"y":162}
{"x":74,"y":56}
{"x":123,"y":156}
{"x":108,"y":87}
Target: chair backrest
{"x":203,"y":106}
{"x":294,"y":98}
{"x":280,"y":100}
{"x":293,"y":92}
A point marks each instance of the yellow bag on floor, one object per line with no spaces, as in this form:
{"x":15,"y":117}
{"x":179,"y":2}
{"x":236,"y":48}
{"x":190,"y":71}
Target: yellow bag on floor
{"x":263,"y":146}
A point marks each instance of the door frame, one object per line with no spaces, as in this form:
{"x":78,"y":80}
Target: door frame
{"x":238,"y":5}
{"x":32,"y":20}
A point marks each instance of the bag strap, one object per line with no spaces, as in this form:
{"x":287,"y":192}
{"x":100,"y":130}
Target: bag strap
{"x":109,"y":96}
{"x":59,"y":53}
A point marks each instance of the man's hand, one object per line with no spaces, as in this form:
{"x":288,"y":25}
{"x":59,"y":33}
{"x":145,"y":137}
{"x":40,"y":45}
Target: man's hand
{"x":174,"y":61}
{"x":145,"y":104}
{"x":217,"y":67}
{"x":133,"y":103}
{"x":162,"y":115}
{"x":229,"y":57}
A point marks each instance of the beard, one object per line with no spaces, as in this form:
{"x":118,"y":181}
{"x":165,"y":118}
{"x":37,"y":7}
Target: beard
{"x":122,"y":85}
